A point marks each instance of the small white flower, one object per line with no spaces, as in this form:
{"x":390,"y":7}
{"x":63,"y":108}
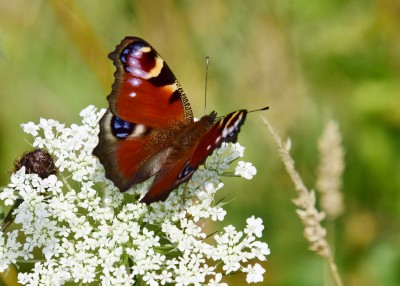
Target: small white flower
{"x":245,"y":170}
{"x":30,"y":128}
{"x":18,"y":179}
{"x":254,"y":273}
{"x":165,"y":277}
{"x":254,"y":226}
{"x":151,"y":278}
{"x":8,"y":196}
{"x":216,"y":281}
{"x":238,"y":149}
{"x":218,"y":214}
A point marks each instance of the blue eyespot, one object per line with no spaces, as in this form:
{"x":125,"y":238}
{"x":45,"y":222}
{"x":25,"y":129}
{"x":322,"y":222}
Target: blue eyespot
{"x":131,"y":48}
{"x":186,"y":171}
{"x":121,"y":128}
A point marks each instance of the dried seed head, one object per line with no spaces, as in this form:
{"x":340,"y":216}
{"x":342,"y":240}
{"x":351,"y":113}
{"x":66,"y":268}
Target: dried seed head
{"x":38,"y":161}
{"x":330,"y":170}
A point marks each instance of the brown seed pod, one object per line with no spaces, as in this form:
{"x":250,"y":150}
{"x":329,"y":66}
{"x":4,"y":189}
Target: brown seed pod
{"x":38,"y":161}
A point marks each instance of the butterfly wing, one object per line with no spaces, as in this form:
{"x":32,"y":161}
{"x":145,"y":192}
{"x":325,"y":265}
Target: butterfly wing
{"x":127,"y":151}
{"x":145,"y":90}
{"x":147,"y":109}
{"x":224,"y":130}
{"x":191,"y":150}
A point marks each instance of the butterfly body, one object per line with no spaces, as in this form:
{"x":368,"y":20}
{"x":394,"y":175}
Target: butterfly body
{"x":149,"y":130}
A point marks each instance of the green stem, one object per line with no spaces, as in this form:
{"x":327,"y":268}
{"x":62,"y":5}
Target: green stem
{"x":9,"y":219}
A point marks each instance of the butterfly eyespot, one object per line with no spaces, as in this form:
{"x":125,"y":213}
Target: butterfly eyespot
{"x":132,"y":52}
{"x":125,"y":54}
{"x":186,"y":171}
{"x":121,"y":128}
{"x":137,"y":46}
{"x":233,"y":132}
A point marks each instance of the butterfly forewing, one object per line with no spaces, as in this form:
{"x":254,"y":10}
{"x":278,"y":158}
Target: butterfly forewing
{"x":145,"y":90}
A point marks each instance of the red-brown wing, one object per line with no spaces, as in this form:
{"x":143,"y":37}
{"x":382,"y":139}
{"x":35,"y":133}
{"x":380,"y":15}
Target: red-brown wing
{"x":172,"y":172}
{"x":224,"y":130}
{"x":168,"y":178}
{"x":191,"y":149}
{"x":128,"y":151}
{"x":145,"y":90}
{"x":148,"y":108}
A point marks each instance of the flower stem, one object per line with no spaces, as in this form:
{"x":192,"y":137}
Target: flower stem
{"x":9,"y":219}
{"x":334,"y":271}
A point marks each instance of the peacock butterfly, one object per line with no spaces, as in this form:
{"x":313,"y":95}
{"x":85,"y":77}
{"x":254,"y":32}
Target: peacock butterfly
{"x":149,"y":130}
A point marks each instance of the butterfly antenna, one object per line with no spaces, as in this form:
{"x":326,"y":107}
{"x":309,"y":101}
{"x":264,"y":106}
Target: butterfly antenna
{"x":250,"y":111}
{"x":205,"y":88}
{"x":260,"y":109}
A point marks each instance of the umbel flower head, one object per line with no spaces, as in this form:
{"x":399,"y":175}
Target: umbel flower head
{"x":77,"y":227}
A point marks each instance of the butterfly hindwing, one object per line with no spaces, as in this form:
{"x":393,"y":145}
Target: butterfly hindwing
{"x":224,"y":130}
{"x":199,"y":142}
{"x":120,"y":144}
{"x":172,"y":173}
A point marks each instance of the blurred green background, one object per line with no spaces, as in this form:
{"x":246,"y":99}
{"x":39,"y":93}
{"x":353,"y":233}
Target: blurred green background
{"x":308,"y":60}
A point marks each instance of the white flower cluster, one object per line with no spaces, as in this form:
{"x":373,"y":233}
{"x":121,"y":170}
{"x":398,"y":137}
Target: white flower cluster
{"x":89,"y":232}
